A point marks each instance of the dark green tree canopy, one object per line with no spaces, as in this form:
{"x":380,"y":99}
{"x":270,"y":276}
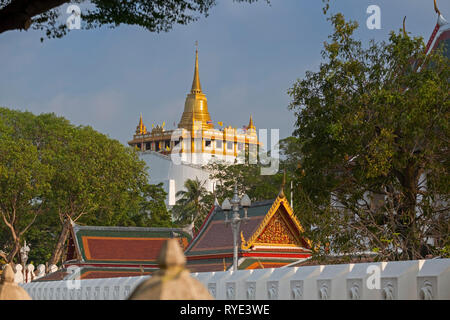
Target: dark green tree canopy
{"x":153,"y":15}
{"x":373,"y":124}
{"x":52,"y":172}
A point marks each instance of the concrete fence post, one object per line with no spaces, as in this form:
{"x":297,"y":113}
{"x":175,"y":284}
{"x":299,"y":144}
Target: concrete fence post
{"x":398,"y":280}
{"x":278,"y":285}
{"x":433,"y":280}
{"x":255,"y":285}
{"x":235,"y":285}
{"x":331,"y":282}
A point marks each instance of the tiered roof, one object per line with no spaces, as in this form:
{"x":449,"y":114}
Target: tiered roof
{"x":118,"y":251}
{"x":271,"y":238}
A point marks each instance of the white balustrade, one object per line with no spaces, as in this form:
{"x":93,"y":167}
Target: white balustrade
{"x":331,"y":281}
{"x":303,"y":283}
{"x":40,"y":271}
{"x":203,"y":277}
{"x":29,"y":273}
{"x":52,"y":268}
{"x":235,"y":285}
{"x":216,"y":284}
{"x":18,"y":273}
{"x":255,"y":285}
{"x":278,"y":284}
{"x":363,"y":281}
{"x":417,"y":279}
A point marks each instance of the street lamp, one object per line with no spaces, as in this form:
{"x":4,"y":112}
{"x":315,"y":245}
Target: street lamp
{"x":233,"y":204}
{"x":24,"y":253}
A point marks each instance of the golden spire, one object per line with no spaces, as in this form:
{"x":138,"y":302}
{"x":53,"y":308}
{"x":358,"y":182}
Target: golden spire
{"x":141,"y":129}
{"x":250,"y":124}
{"x":196,"y":105}
{"x":196,"y":87}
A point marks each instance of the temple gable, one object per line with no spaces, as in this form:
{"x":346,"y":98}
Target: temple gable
{"x":278,"y":232}
{"x":279,"y":227}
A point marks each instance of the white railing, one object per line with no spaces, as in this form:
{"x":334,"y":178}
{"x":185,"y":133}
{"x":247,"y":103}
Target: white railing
{"x":29,"y":273}
{"x":416,"y":279}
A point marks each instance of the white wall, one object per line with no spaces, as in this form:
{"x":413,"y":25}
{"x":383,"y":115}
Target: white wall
{"x":411,"y":280}
{"x":163,"y":169}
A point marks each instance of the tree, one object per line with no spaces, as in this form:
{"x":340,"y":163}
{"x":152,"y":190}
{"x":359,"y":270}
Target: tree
{"x":153,"y":15}
{"x":193,"y":204}
{"x":249,"y":180}
{"x":96,"y":178}
{"x":152,"y":208}
{"x":23,"y":184}
{"x":52,"y":172}
{"x":374,"y":129}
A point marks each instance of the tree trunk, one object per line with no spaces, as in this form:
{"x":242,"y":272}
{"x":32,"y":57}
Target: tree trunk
{"x":57,"y":253}
{"x":14,"y":251}
{"x":18,"y":13}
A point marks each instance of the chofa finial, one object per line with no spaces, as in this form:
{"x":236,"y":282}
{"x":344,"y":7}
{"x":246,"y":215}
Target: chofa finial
{"x":436,"y":8}
{"x":404,"y":27}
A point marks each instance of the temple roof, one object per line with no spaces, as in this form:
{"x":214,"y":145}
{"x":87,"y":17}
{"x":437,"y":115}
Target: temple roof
{"x":443,"y":40}
{"x":440,"y":35}
{"x":120,"y":245}
{"x":272,"y":233}
{"x":141,"y":129}
{"x":215,"y":237}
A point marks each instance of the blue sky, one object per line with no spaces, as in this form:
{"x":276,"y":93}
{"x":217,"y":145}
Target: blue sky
{"x":250,"y":55}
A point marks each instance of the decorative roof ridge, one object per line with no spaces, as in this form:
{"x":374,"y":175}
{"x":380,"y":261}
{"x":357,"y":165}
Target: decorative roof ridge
{"x":209,"y":213}
{"x":210,"y":216}
{"x":77,"y":227}
{"x":441,"y":26}
{"x":258,"y":203}
{"x":208,"y":219}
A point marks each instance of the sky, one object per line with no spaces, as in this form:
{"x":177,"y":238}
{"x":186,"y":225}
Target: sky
{"x":249,"y":56}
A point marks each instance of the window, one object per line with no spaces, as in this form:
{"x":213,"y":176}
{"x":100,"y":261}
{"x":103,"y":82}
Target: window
{"x":219,"y":144}
{"x":207,"y":143}
{"x":240,"y":146}
{"x":229,"y":145}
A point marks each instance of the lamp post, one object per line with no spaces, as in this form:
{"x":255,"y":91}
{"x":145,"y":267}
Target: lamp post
{"x":233,"y":204}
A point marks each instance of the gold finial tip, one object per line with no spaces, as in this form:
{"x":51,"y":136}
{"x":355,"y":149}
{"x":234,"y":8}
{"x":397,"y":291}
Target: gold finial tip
{"x":196,"y":87}
{"x":250,"y":124}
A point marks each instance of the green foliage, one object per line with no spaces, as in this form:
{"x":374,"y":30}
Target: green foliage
{"x":371,"y":124}
{"x":248,"y":178}
{"x":51,"y":171}
{"x":193,"y":204}
{"x":153,"y":15}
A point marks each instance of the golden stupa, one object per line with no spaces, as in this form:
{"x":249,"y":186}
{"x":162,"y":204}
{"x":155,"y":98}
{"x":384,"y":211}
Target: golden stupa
{"x":195,"y":134}
{"x":196,"y":105}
